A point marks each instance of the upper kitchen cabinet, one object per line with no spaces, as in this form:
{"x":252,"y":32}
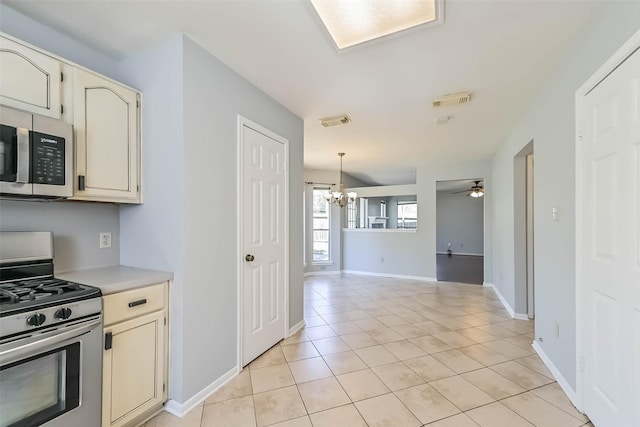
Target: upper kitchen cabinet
{"x":30,"y":79}
{"x":106,"y":118}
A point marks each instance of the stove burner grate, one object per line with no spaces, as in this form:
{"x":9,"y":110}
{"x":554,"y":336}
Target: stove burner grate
{"x":30,"y":290}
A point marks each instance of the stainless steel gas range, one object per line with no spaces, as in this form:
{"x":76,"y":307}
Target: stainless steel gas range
{"x":50,"y":339}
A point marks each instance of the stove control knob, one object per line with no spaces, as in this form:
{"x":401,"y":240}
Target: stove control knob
{"x":36,"y":319}
{"x":63,"y":313}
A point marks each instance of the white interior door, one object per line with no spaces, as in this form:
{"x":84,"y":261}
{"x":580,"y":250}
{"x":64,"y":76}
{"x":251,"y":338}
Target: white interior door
{"x":610,"y":261}
{"x":264,"y":242}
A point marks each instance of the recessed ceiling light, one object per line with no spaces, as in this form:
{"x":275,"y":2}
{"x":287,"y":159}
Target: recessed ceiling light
{"x":352,"y":22}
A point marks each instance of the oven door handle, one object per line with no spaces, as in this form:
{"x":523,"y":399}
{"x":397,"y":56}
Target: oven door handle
{"x":39,"y":343}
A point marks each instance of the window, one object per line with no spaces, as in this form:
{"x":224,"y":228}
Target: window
{"x":364,"y":212}
{"x":321,"y":222}
{"x":352,"y":214}
{"x":407,"y":214}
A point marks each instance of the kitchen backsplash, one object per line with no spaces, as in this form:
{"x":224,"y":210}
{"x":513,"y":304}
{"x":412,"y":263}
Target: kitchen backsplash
{"x":76,"y":228}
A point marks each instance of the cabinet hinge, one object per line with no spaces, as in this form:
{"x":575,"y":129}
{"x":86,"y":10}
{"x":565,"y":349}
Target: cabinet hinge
{"x":61,"y":76}
{"x":138,"y":188}
{"x":137,"y":104}
{"x":165,"y":320}
{"x":164,"y":387}
{"x":61,"y":109}
{"x":580,"y":134}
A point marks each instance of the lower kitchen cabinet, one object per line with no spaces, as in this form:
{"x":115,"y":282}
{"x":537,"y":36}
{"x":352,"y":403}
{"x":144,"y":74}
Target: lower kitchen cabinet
{"x":135,"y":355}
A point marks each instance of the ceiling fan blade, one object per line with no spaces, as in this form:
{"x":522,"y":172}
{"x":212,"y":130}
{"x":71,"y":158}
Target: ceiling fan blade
{"x":463,"y":191}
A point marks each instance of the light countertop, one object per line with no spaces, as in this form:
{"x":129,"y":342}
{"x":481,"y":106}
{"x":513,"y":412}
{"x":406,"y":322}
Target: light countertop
{"x":116,"y":278}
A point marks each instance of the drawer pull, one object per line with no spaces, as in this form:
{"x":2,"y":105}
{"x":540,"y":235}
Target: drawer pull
{"x":108,"y":340}
{"x":136,"y":303}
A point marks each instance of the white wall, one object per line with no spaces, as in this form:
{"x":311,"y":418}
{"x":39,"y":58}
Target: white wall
{"x":75,"y":225}
{"x":550,"y":123}
{"x":459,"y":221}
{"x":188,"y":223}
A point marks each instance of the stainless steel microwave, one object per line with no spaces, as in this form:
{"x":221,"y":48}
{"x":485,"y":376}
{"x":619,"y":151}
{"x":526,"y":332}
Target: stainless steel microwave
{"x":36,"y":155}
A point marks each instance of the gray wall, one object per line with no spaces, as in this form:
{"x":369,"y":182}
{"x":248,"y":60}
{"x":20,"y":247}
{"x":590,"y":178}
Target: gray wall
{"x":151,"y":234}
{"x":459,"y":221}
{"x":26,"y":29}
{"x":189,"y":213}
{"x":409,"y":253}
{"x":75,"y":225}
{"x":550,"y":123}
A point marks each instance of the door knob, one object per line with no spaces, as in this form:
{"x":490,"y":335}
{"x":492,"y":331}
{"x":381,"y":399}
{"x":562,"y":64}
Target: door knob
{"x":249,"y":258}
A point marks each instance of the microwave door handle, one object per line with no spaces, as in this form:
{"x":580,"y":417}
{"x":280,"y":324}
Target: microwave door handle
{"x":22,"y":174}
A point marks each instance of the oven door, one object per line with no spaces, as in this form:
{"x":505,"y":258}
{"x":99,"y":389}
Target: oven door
{"x":15,"y":152}
{"x":53,"y":378}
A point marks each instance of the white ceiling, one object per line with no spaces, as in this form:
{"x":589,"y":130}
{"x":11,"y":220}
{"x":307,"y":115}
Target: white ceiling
{"x":501,"y":50}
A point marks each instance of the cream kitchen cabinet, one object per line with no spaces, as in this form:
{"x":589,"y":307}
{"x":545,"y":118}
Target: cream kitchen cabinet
{"x":106,"y":119}
{"x":135,"y":355}
{"x":31,"y":80}
{"x":104,"y":113}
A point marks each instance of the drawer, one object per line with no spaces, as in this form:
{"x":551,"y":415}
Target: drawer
{"x":127,"y":305}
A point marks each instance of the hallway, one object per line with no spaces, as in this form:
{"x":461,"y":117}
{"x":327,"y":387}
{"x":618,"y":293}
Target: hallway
{"x":390,"y":352}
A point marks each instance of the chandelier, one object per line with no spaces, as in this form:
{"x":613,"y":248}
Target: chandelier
{"x":340,"y":198}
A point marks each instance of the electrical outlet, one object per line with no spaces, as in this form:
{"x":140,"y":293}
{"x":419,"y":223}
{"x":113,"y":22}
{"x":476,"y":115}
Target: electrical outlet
{"x":105,"y":239}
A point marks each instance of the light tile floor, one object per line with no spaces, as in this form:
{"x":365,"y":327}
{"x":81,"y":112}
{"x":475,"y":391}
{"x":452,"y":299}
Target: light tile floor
{"x":389,"y":352}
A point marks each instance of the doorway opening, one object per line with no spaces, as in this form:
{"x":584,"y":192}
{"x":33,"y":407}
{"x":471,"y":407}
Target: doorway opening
{"x":524,"y":258}
{"x":460,"y":231}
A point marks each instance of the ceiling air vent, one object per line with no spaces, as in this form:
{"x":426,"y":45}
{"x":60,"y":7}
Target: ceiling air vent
{"x":452,"y":99}
{"x":335,"y":121}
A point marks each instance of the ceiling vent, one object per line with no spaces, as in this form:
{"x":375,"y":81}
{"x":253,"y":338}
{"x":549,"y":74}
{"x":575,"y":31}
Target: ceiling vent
{"x":335,"y":121}
{"x":452,"y":99}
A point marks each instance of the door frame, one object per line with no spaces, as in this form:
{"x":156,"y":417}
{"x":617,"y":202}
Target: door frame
{"x":625,"y":51}
{"x":242,"y":122}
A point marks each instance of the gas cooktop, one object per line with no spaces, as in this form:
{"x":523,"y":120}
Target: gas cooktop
{"x":22,"y":295}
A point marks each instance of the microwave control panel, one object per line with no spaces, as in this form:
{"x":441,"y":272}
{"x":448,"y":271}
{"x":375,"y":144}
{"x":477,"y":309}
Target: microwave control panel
{"x":48,"y":158}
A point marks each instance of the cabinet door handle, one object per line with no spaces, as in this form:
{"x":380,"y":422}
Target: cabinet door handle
{"x":108,"y":340}
{"x":136,"y":303}
{"x":80,"y":182}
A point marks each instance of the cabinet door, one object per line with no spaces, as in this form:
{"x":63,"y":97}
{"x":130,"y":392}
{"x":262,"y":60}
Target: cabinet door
{"x":106,"y":122}
{"x":30,"y":80}
{"x":133,"y":369}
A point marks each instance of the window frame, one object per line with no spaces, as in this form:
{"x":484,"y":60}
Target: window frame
{"x":320,"y":190}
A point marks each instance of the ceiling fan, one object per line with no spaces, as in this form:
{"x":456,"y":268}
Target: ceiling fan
{"x":475,"y":190}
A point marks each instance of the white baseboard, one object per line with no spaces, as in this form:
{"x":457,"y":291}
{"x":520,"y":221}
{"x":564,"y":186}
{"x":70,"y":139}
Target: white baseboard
{"x":321,"y":273}
{"x":295,"y":328}
{"x":459,"y":253}
{"x":571,"y":394}
{"x":181,"y":409}
{"x":512,"y":313}
{"x":395,"y":276}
